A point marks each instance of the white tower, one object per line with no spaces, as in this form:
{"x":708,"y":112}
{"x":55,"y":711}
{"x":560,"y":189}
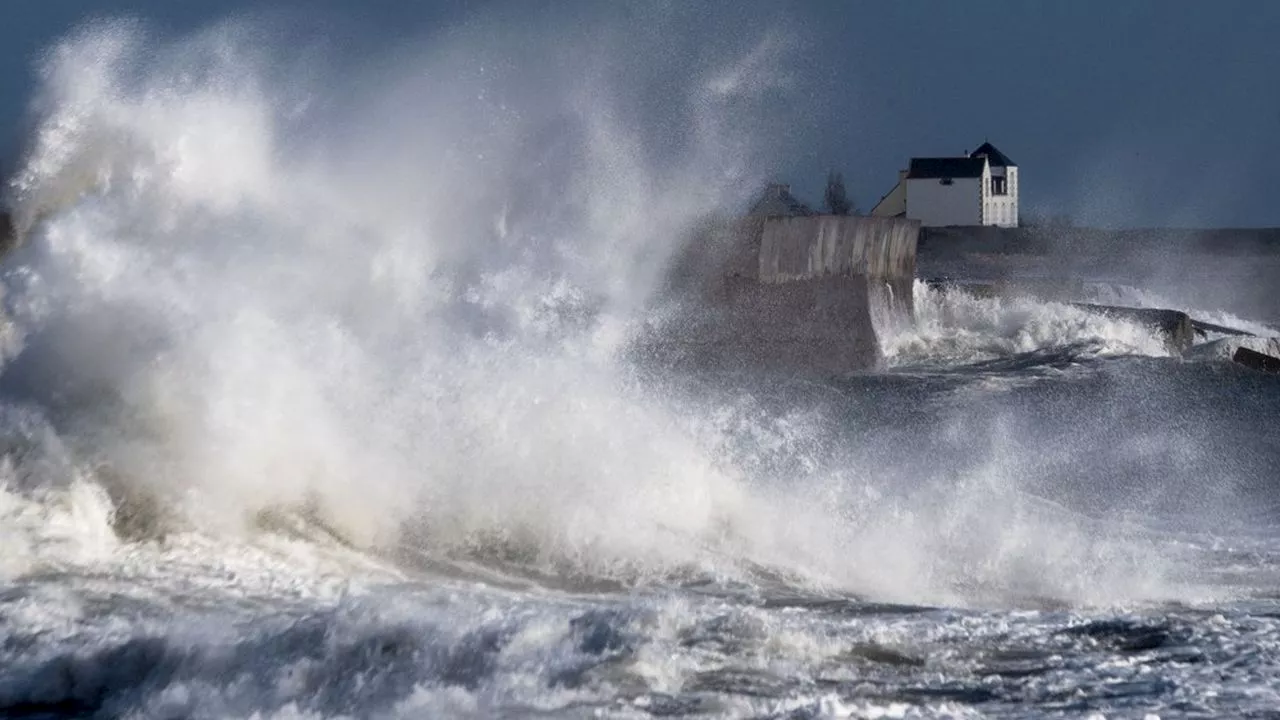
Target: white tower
{"x":1000,"y":196}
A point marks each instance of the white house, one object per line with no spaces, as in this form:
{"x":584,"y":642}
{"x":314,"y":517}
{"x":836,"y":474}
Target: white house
{"x":1000,"y":206}
{"x":980,"y":188}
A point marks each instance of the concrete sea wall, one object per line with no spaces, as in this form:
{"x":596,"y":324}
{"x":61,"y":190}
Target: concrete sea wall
{"x":808,"y":294}
{"x":798,"y":248}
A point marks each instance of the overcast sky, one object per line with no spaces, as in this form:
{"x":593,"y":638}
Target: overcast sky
{"x":1118,"y":112}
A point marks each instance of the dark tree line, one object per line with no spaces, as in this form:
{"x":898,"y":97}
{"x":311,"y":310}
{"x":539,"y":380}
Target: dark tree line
{"x":837,"y":198}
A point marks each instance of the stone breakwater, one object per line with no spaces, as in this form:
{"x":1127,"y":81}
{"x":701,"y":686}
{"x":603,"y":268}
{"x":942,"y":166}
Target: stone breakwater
{"x":809,"y":294}
{"x":1183,"y":335}
{"x":1226,"y":269}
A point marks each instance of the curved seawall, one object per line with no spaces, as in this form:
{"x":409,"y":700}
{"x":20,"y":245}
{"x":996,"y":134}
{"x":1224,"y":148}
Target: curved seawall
{"x":807,"y":294}
{"x":799,"y":248}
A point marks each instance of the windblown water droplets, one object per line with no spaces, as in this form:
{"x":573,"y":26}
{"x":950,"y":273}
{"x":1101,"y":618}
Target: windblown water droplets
{"x":953,"y":326}
{"x":402,"y":322}
{"x":270,"y":329}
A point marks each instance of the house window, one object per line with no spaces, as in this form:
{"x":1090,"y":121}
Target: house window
{"x":998,"y":186}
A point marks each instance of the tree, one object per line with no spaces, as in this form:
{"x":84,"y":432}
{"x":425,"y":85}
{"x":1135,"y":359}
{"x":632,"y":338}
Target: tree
{"x":837,"y":199}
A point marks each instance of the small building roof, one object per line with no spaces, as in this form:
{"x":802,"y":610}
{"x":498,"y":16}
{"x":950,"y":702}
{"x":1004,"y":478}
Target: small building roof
{"x":777,"y":200}
{"x":946,"y":167}
{"x":994,"y":156}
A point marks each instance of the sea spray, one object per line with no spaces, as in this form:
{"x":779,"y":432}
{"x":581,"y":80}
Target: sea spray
{"x":348,"y":431}
{"x":406,"y":330}
{"x":266,"y":329}
{"x":1129,"y":296}
{"x":952,"y":326}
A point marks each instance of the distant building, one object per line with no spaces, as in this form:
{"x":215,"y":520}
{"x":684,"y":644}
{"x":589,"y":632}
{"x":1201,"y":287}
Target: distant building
{"x":777,"y":201}
{"x":980,"y":188}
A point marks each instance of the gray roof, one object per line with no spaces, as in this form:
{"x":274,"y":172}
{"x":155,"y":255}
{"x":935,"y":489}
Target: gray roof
{"x":994,"y":156}
{"x":945,"y":167}
{"x":777,"y":200}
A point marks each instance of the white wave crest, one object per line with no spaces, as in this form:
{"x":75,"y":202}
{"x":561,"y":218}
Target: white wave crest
{"x":954,"y":326}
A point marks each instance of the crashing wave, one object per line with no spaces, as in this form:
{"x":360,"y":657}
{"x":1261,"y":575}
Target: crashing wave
{"x":956,"y":327}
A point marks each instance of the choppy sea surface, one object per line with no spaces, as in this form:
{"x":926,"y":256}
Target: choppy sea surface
{"x":293,"y":429}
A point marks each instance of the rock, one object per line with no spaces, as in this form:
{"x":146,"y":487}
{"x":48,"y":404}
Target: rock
{"x":8,"y":234}
{"x":1256,"y":360}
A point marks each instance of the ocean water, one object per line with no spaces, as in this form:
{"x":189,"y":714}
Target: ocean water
{"x":316,"y":403}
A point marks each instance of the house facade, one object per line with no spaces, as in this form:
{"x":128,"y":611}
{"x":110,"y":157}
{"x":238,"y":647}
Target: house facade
{"x":1000,"y":204}
{"x":979,"y":188}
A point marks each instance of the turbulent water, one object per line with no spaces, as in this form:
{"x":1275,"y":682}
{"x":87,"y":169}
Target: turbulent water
{"x":318,"y":402}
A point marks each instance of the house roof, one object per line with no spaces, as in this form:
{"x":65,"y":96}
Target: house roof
{"x":946,"y":167}
{"x":777,"y":200}
{"x":994,"y":156}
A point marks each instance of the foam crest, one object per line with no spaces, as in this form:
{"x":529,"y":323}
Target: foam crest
{"x":953,"y":326}
{"x":53,"y":516}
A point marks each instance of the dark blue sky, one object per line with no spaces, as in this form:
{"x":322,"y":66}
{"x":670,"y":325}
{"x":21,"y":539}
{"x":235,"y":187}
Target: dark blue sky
{"x":1118,"y":112}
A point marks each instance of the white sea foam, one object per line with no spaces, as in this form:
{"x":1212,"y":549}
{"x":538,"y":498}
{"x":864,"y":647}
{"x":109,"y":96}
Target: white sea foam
{"x":954,"y":326}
